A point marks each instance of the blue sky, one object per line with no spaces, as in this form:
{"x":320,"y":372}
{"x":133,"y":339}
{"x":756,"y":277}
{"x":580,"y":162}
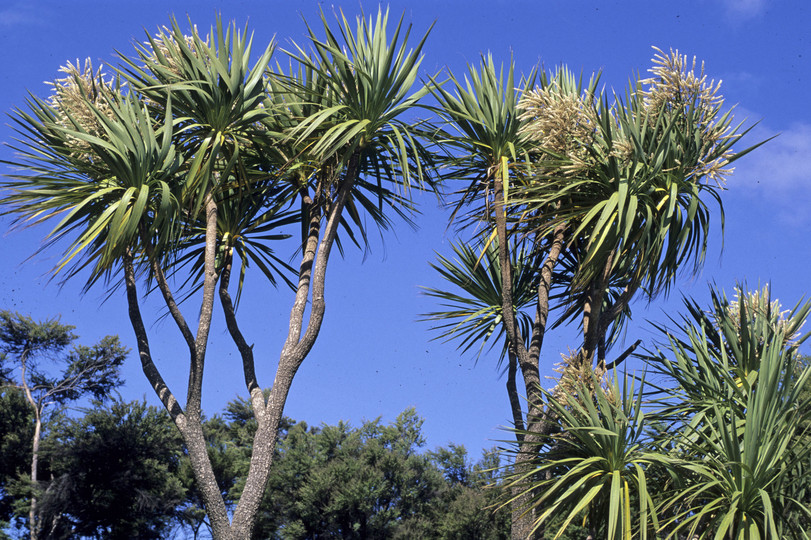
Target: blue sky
{"x":373,"y":357}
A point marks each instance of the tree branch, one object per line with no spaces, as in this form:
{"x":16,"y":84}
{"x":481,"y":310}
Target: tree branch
{"x":195,"y":390}
{"x":619,"y":306}
{"x":593,"y":323}
{"x":150,"y":370}
{"x":245,"y":350}
{"x":544,"y":289}
{"x":621,"y":358}
{"x":512,"y":393}
{"x":163,"y":286}
{"x":319,"y":270}
{"x":305,"y":274}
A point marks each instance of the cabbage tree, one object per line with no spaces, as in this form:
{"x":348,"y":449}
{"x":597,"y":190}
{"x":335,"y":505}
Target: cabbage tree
{"x":612,"y":194}
{"x":179,"y":168}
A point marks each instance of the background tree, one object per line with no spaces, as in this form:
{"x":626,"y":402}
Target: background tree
{"x":376,"y":481}
{"x":114,"y":474}
{"x":340,"y":481}
{"x":17,"y":430}
{"x":88,"y":371}
{"x":187,"y":164}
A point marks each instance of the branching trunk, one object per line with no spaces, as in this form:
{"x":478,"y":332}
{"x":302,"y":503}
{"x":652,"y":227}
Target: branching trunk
{"x":538,"y":426}
{"x":195,"y":390}
{"x":190,"y":426}
{"x":245,"y":350}
{"x":535,"y":428}
{"x":523,"y":517}
{"x":594,"y":327}
{"x":300,"y":340}
{"x":323,"y":228}
{"x":515,"y":401}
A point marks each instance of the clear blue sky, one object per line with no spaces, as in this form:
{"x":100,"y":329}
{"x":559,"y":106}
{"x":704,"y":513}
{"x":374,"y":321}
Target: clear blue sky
{"x":373,"y":358}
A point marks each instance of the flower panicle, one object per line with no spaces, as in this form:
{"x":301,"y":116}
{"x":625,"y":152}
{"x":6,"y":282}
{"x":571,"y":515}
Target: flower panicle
{"x":574,"y":375}
{"x":759,"y":303}
{"x":165,"y":49}
{"x":676,"y":82}
{"x":79,"y":97}
{"x":559,"y":120}
{"x":679,"y":89}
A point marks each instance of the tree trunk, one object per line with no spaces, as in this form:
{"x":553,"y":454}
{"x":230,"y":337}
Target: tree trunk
{"x":33,"y":518}
{"x":512,"y":393}
{"x":523,"y":516}
{"x":299,"y":343}
{"x":33,"y":521}
{"x":190,"y":430}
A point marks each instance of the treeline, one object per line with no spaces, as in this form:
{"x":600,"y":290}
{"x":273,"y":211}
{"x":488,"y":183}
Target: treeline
{"x":117,"y":471}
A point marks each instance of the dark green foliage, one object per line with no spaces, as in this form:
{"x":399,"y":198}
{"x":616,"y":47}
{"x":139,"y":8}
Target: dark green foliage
{"x":114,"y":474}
{"x":20,"y":334}
{"x":374,"y":481}
{"x":16,"y":432}
{"x":38,"y":373}
{"x":466,"y":507}
{"x":339,"y":482}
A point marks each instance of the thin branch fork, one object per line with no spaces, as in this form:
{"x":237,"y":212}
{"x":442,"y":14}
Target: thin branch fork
{"x":166,"y":291}
{"x":150,"y":370}
{"x":195,"y":390}
{"x":245,"y":350}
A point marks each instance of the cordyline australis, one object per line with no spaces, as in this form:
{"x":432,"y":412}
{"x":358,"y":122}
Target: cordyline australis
{"x":579,"y":201}
{"x":191,"y":160}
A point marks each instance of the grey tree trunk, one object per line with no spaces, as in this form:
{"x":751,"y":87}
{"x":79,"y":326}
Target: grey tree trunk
{"x":33,"y":518}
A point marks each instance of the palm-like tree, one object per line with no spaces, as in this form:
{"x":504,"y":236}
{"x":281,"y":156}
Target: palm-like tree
{"x":630,"y":181}
{"x":596,"y":464}
{"x":352,"y":132}
{"x":736,"y":411}
{"x":202,"y":158}
{"x":612,"y":197}
{"x":138,"y":171}
{"x":718,"y":454}
{"x":488,"y":154}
